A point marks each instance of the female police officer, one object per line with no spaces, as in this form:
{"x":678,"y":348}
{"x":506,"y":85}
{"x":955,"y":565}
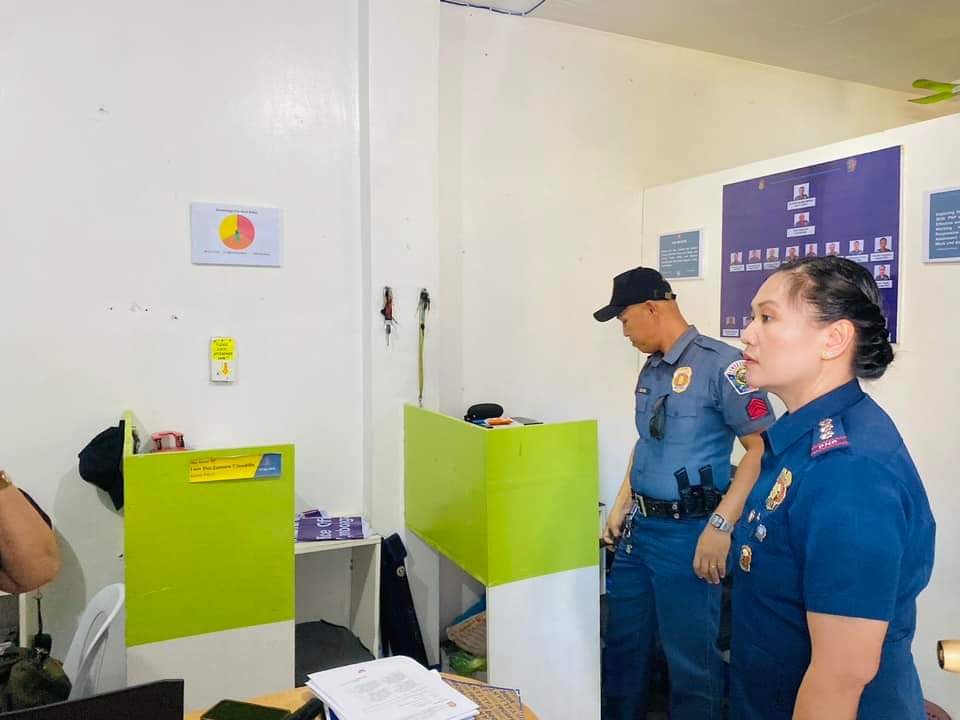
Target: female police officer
{"x":836,"y":540}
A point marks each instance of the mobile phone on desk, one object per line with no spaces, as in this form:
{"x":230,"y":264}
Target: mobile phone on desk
{"x":235,"y":710}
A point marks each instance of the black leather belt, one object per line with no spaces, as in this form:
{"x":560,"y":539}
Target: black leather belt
{"x":648,"y":507}
{"x":671,"y":509}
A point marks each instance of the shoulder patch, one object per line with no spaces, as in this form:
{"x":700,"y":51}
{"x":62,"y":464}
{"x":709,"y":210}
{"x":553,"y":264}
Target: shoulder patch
{"x":828,"y":435}
{"x":736,"y":375}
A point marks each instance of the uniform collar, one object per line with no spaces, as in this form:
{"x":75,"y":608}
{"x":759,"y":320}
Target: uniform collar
{"x":676,"y":350}
{"x":792,"y":426}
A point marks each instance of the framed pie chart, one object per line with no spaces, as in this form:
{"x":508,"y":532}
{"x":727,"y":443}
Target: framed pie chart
{"x":237,"y":232}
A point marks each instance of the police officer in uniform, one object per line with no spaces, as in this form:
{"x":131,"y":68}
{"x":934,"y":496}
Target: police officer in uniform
{"x":837,"y":537}
{"x":674,"y":512}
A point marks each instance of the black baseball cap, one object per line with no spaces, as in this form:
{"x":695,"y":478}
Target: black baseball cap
{"x":101,"y":463}
{"x":632,"y":288}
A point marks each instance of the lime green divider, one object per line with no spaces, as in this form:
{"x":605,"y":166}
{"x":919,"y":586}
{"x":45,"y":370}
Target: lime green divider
{"x":204,"y":557}
{"x":445,"y":487}
{"x":504,"y":505}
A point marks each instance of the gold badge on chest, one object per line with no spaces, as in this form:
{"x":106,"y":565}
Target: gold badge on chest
{"x":682,"y":379}
{"x":778,"y":493}
{"x":746,"y":558}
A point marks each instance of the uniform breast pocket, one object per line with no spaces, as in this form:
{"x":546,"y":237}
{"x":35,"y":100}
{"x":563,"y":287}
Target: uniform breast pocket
{"x":682,"y":416}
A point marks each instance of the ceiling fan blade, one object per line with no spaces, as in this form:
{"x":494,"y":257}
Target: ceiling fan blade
{"x":933,"y":85}
{"x":930,"y":99}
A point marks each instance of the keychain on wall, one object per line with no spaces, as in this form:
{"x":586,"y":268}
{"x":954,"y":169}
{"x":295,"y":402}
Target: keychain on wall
{"x":422,"y":307}
{"x":387,"y":312}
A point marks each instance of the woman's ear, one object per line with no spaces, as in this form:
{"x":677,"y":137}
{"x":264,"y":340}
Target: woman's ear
{"x":839,"y":337}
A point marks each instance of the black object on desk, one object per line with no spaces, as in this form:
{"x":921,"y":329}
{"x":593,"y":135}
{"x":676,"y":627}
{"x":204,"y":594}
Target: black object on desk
{"x":161,"y":700}
{"x":309,"y":710}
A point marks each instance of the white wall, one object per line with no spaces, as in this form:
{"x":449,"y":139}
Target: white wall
{"x":399,"y":59}
{"x":113,"y":118}
{"x":548,"y":134}
{"x":920,"y":390}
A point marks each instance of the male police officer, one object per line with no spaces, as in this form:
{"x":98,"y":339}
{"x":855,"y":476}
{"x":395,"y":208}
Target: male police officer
{"x":671,"y":513}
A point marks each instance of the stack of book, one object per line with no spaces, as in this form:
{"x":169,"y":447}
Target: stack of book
{"x":315,"y":525}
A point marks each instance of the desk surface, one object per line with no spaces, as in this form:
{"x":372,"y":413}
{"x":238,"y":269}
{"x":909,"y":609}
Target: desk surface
{"x":292,"y":699}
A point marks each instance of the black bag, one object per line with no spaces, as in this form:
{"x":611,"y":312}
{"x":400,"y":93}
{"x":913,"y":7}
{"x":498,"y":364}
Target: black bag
{"x":29,"y":678}
{"x":399,"y":627}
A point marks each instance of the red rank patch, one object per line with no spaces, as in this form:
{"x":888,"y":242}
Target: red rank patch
{"x":757,"y":409}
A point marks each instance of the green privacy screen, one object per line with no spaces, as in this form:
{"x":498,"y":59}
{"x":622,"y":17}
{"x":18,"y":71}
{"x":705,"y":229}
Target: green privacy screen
{"x":507,"y":504}
{"x":206,"y":556}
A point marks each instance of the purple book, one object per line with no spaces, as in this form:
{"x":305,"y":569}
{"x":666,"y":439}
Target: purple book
{"x":311,"y":529}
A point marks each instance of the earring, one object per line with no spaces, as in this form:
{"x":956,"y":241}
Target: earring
{"x":827,"y":356}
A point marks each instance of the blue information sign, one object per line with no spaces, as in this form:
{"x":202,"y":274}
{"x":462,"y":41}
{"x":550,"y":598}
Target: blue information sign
{"x":680,"y":255}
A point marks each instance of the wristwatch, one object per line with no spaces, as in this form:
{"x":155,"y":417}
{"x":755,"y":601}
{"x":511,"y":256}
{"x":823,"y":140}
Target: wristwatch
{"x":720,"y":523}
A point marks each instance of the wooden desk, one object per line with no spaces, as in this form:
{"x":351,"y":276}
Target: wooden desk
{"x":292,"y":699}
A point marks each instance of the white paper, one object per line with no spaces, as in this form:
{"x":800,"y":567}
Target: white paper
{"x":224,"y":234}
{"x":394,"y":688}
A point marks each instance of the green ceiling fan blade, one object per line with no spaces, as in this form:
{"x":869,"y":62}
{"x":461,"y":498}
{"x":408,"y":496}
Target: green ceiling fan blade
{"x":940,"y":87}
{"x":930,"y":99}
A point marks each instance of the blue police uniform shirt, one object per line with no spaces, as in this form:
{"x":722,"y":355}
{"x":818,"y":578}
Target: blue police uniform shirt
{"x":706,"y":402}
{"x":837,"y":523}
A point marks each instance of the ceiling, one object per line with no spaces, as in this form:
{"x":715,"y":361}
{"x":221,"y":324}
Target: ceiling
{"x":887,"y":43}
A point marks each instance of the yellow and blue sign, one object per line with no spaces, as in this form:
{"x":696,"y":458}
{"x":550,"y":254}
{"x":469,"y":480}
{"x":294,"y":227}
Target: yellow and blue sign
{"x":237,"y":467}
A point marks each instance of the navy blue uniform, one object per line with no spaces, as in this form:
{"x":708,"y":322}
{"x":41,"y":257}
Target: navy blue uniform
{"x":699,"y":390}
{"x":839,"y":524}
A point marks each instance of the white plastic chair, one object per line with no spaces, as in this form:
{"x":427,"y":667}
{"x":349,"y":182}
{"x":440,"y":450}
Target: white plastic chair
{"x":84,"y":661}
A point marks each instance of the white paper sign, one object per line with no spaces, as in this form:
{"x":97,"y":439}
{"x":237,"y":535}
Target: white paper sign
{"x":235,"y":235}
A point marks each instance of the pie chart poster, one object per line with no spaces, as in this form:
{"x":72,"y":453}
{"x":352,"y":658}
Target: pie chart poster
{"x":235,"y":235}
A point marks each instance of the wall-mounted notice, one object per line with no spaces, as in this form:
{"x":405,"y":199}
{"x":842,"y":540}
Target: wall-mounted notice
{"x":848,"y":207}
{"x":223,"y":360}
{"x":680,"y":255}
{"x":942,"y":238}
{"x":235,"y":235}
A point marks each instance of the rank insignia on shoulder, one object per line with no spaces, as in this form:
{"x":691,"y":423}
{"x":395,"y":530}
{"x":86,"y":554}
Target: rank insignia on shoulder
{"x":746,"y":558}
{"x":757,"y":408}
{"x":778,"y":493}
{"x":736,"y":375}
{"x":828,"y":435}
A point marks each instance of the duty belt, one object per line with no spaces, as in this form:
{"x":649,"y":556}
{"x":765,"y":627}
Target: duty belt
{"x":695,"y":501}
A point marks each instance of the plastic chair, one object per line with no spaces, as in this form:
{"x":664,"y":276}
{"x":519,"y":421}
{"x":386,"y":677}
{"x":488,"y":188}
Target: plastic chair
{"x":84,"y":661}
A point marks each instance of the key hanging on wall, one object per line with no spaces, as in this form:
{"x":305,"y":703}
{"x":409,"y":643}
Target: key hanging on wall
{"x":387,"y":312}
{"x":422,"y":307}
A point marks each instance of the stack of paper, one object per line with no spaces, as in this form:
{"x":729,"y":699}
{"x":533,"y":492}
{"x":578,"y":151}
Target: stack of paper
{"x":393,"y":688}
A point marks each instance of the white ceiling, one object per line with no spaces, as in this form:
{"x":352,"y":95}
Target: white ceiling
{"x":887,"y":43}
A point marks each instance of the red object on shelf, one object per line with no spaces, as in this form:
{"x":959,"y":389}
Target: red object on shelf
{"x":168,"y":441}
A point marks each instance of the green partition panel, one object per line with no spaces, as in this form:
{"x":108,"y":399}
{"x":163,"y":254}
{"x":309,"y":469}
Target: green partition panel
{"x":504,"y":505}
{"x":451,"y":516}
{"x":206,"y":556}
